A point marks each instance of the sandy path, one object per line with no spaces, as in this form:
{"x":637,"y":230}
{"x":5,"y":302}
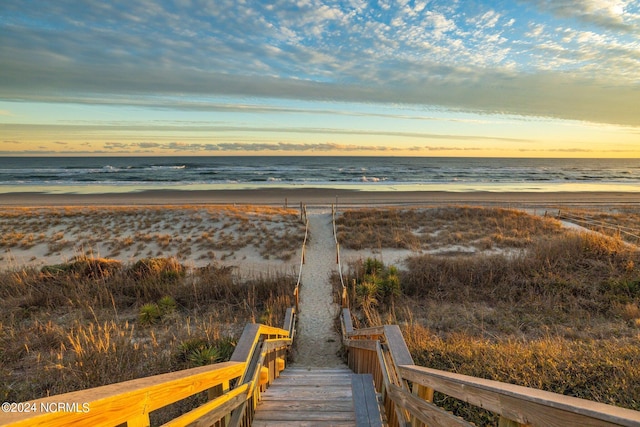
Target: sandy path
{"x":317,"y":339}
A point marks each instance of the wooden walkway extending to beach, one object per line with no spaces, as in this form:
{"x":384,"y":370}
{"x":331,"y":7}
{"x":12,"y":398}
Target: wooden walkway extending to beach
{"x":379,"y":385}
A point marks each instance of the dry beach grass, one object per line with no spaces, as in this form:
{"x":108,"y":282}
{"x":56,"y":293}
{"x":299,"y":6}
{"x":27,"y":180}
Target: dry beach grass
{"x":200,"y":234}
{"x":525,"y":301}
{"x":174,"y":292}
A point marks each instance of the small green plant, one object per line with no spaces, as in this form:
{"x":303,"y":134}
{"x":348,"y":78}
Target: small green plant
{"x":166,"y":305}
{"x":200,"y":351}
{"x":204,"y":356}
{"x":149,"y":314}
{"x":379,"y":284}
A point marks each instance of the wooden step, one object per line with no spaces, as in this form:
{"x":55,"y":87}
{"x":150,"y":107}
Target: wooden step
{"x":307,"y":397}
{"x":317,"y":397}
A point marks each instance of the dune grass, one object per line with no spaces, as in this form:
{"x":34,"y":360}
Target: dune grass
{"x":561,"y":313}
{"x":165,"y":231}
{"x":621,"y":222}
{"x":434,"y":228}
{"x":86,"y":323}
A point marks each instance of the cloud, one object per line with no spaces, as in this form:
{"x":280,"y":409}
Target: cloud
{"x":609,"y":14}
{"x":252,"y":147}
{"x":325,"y":147}
{"x":424,"y":53}
{"x":222,"y":129}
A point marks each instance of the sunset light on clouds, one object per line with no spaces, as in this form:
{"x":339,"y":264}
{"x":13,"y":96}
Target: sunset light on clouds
{"x":523,"y":78}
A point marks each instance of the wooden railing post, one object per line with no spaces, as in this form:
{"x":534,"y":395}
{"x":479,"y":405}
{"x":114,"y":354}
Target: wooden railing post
{"x":218,"y":390}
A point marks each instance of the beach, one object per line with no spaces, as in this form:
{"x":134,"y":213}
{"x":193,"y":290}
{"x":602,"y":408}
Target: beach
{"x":292,"y":197}
{"x":172,"y":223}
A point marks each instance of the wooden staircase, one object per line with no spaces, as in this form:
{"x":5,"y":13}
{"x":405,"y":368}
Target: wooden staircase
{"x":319,"y":397}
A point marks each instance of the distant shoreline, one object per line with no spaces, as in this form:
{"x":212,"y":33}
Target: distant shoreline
{"x":320,"y":196}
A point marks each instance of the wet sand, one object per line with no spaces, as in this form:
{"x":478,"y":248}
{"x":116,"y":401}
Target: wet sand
{"x":321,"y":196}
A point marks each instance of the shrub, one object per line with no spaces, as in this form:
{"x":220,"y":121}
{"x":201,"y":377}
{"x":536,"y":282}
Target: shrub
{"x":166,"y":305}
{"x":85,"y":267}
{"x":201,"y":351}
{"x":149,"y":314}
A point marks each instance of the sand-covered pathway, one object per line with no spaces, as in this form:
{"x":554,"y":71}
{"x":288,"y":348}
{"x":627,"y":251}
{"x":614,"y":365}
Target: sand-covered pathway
{"x":317,"y":340}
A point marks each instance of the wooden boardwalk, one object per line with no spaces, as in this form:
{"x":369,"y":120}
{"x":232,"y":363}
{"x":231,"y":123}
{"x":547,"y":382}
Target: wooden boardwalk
{"x":316,"y":397}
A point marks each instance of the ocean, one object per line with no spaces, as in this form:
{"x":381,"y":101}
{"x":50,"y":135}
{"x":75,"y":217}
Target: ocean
{"x":129,"y":174}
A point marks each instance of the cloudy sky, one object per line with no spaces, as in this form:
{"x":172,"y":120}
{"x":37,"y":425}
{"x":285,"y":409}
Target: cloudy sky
{"x":531,"y":78}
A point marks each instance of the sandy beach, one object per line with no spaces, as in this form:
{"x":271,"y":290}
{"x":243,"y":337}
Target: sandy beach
{"x":320,"y":196}
{"x":260,"y":238}
{"x":200,"y":227}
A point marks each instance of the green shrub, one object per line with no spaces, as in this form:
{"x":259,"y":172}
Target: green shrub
{"x":149,"y":314}
{"x":166,"y":305}
{"x":200,"y":351}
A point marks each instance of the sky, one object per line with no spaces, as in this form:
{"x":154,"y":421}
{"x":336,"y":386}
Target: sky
{"x":520,"y":78}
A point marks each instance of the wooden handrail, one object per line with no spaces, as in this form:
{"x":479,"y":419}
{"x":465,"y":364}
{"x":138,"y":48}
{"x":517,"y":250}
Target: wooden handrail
{"x":522,"y":404}
{"x":257,"y":359}
{"x":344,"y":297}
{"x":407,"y":389}
{"x":305,"y":218}
{"x":127,"y":401}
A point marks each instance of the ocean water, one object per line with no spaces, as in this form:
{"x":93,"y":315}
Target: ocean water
{"x":127,"y":174}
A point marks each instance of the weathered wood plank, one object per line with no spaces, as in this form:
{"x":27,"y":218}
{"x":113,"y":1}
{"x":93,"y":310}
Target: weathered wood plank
{"x":250,"y":336}
{"x":397,"y":345}
{"x":276,"y":344}
{"x":362,"y":344}
{"x":365,"y":402}
{"x":316,"y":374}
{"x":285,"y":415}
{"x":319,"y":371}
{"x":522,"y":404}
{"x":319,"y":381}
{"x":246,"y":343}
{"x":337,"y":405}
{"x":289,"y":320}
{"x":428,"y":413}
{"x":346,"y":321}
{"x":306,"y":393}
{"x":265,"y":423}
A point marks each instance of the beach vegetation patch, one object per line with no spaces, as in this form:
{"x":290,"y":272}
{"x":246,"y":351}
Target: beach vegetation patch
{"x":83,"y":266}
{"x":559,"y":313}
{"x":168,"y":268}
{"x":71,"y":326}
{"x":187,"y":232}
{"x":621,"y":222}
{"x":439,"y":227}
{"x":149,"y":314}
{"x":203,"y":351}
{"x":167,"y":305}
{"x":375,"y":284}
